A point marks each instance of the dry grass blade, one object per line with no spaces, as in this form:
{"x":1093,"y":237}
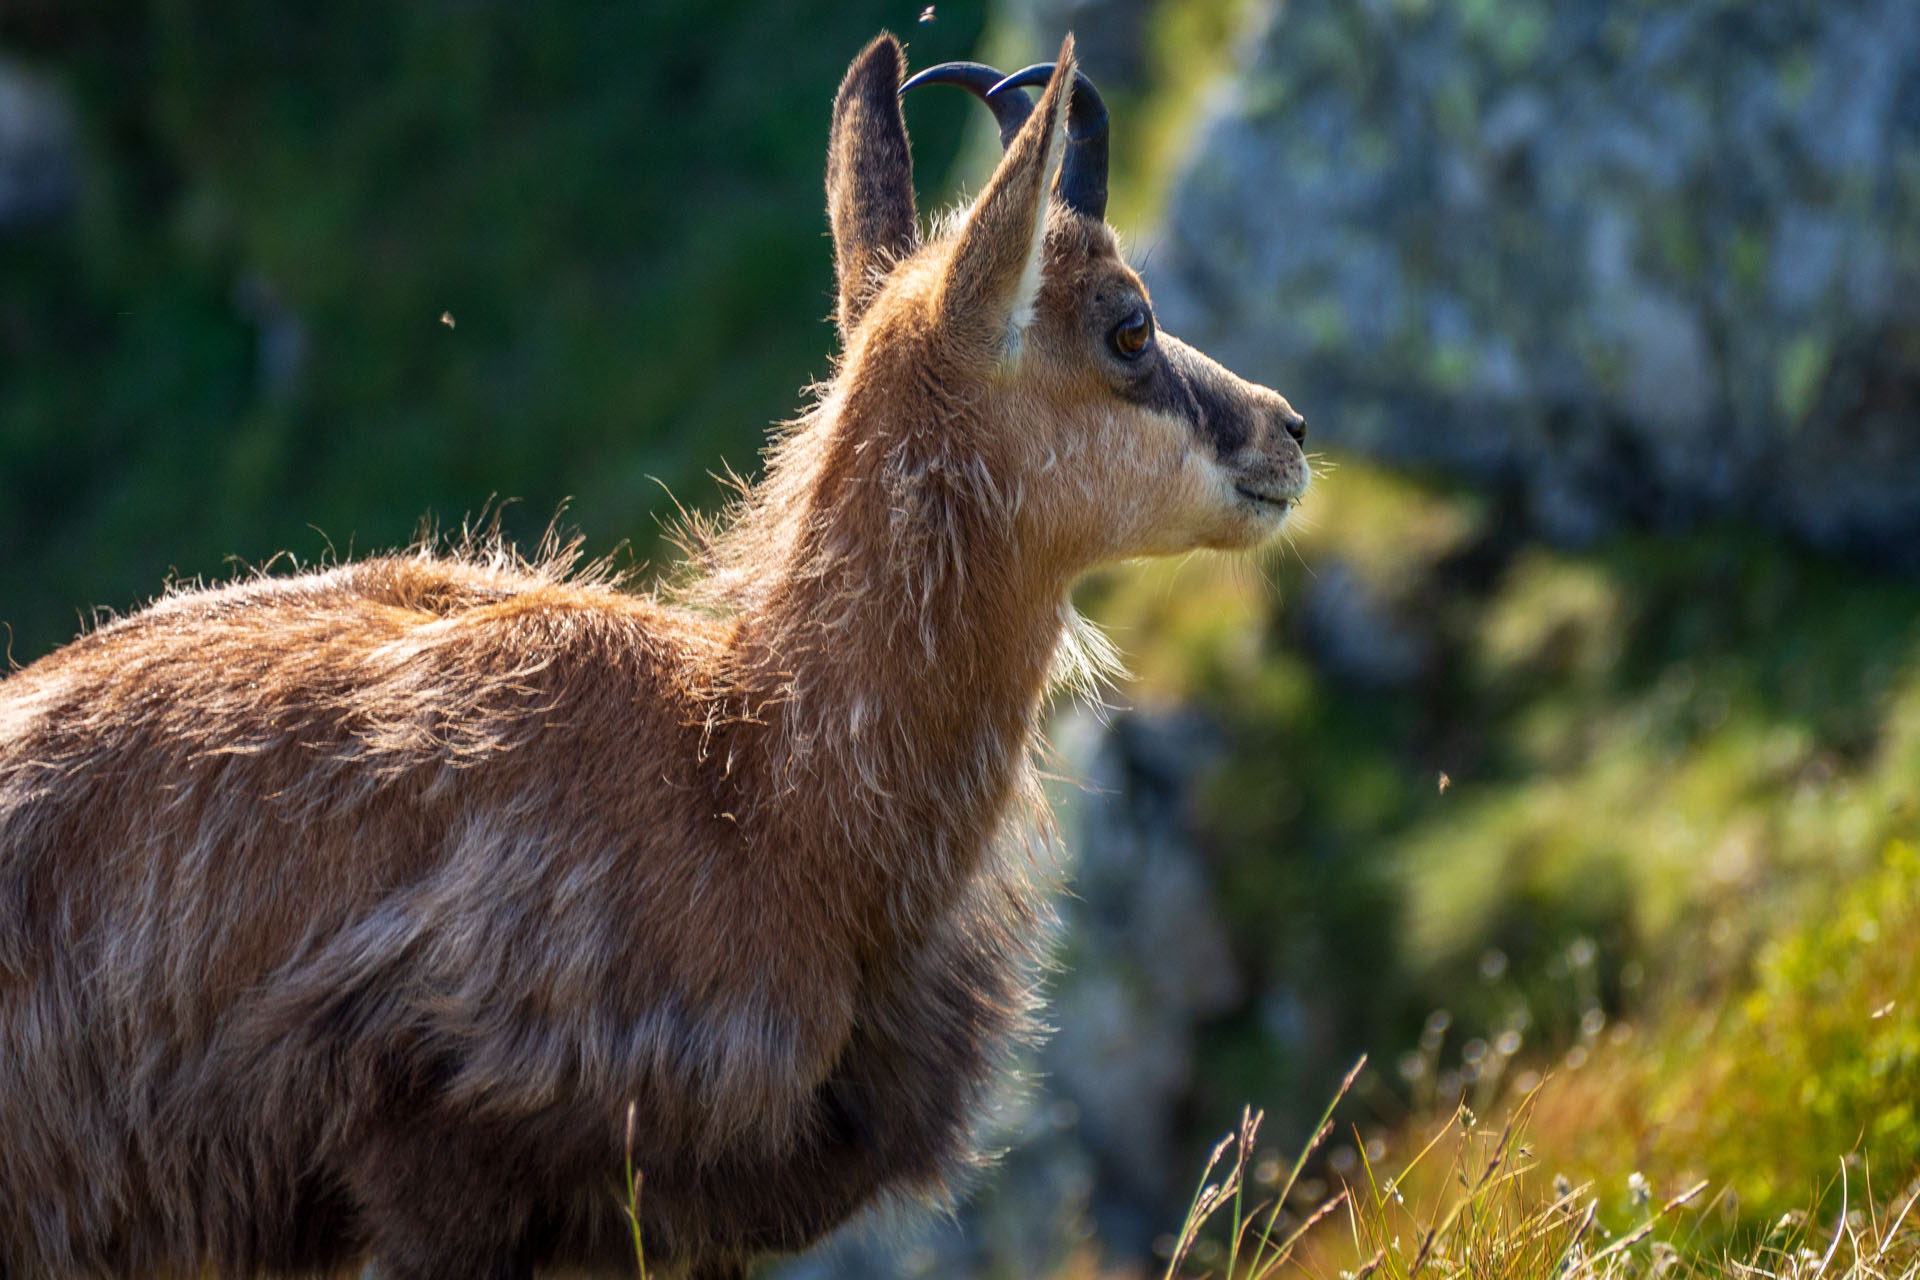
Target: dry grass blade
{"x":1286,"y":1248}
{"x":1209,"y":1197}
{"x":633,"y":1199}
{"x":1483,"y":1213}
{"x":1370,"y":1266}
{"x":1645,"y":1229}
{"x":1839,"y":1227}
{"x":1426,"y":1244}
{"x":1568,"y":1251}
{"x":1893,"y":1228}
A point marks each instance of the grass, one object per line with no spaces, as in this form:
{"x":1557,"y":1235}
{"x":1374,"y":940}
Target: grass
{"x":1472,"y":1203}
{"x":1767,"y":1130}
{"x":1256,"y":1244}
{"x":1762,"y":1086}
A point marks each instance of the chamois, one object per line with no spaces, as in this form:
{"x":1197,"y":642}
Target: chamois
{"x":344,"y":915}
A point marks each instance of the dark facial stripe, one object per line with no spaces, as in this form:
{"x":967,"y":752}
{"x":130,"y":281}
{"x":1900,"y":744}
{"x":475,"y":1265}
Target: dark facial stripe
{"x":1176,"y":384}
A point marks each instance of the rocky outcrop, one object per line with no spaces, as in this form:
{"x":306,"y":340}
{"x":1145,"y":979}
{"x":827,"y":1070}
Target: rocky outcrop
{"x":1650,"y":262}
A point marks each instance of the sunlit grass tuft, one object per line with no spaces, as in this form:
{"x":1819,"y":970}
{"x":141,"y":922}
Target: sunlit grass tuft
{"x":1256,"y":1245}
{"x":1474,"y":1203}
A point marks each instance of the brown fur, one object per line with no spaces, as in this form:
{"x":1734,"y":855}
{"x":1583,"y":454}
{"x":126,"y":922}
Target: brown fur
{"x":344,"y":914}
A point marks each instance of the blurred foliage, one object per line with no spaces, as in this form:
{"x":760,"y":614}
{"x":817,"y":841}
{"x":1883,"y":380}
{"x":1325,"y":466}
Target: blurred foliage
{"x":1605,"y":781}
{"x":1771,"y":1131}
{"x":233,"y":345}
{"x":1815,"y":1066}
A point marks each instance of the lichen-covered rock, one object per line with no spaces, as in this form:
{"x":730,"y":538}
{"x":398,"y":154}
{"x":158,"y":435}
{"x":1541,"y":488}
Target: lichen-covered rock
{"x":1653,"y":261}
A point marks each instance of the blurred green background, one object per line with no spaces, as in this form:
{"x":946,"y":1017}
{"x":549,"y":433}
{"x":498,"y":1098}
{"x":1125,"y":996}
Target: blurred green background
{"x":228,"y":344}
{"x":1575,"y":731}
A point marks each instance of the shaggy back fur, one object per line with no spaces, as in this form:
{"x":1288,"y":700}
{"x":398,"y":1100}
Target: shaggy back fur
{"x":344,"y":915}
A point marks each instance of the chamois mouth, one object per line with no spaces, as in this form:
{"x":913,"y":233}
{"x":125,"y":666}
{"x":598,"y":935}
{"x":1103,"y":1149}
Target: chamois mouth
{"x":1276,"y":503}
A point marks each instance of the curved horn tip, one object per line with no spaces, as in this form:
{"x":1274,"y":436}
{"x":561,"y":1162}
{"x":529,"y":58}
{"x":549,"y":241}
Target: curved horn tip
{"x":1087,"y":111}
{"x":1083,"y":174}
{"x":1009,"y":111}
{"x":975,"y":76}
{"x":1036,"y":74}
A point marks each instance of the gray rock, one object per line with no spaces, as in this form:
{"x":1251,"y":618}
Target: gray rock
{"x":1650,"y":262}
{"x":1358,"y":635}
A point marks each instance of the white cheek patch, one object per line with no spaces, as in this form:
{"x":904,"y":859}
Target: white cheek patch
{"x":1135,"y":482}
{"x":1207,"y":498}
{"x":1172,"y":490}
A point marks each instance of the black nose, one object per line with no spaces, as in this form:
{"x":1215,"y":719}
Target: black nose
{"x":1297,"y":428}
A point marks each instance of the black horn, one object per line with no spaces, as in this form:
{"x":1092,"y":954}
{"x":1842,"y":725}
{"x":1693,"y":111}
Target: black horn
{"x":1083,"y":174}
{"x":1010,"y":110}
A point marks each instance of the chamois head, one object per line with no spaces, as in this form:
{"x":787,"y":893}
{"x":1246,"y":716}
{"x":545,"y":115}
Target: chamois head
{"x":1033,"y":339}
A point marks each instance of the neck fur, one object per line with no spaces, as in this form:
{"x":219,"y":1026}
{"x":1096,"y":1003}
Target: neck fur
{"x":894,"y":647}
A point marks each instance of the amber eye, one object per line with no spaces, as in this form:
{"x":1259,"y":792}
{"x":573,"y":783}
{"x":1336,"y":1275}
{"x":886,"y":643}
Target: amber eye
{"x":1132,"y":335}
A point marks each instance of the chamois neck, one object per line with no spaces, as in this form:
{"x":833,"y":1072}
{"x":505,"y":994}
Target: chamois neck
{"x":902,"y":653}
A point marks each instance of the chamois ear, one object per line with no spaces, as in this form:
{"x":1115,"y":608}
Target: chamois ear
{"x":986,"y":295}
{"x":869,"y":178}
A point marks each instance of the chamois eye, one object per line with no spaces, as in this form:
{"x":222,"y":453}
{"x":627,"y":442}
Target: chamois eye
{"x":1131,"y":336}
